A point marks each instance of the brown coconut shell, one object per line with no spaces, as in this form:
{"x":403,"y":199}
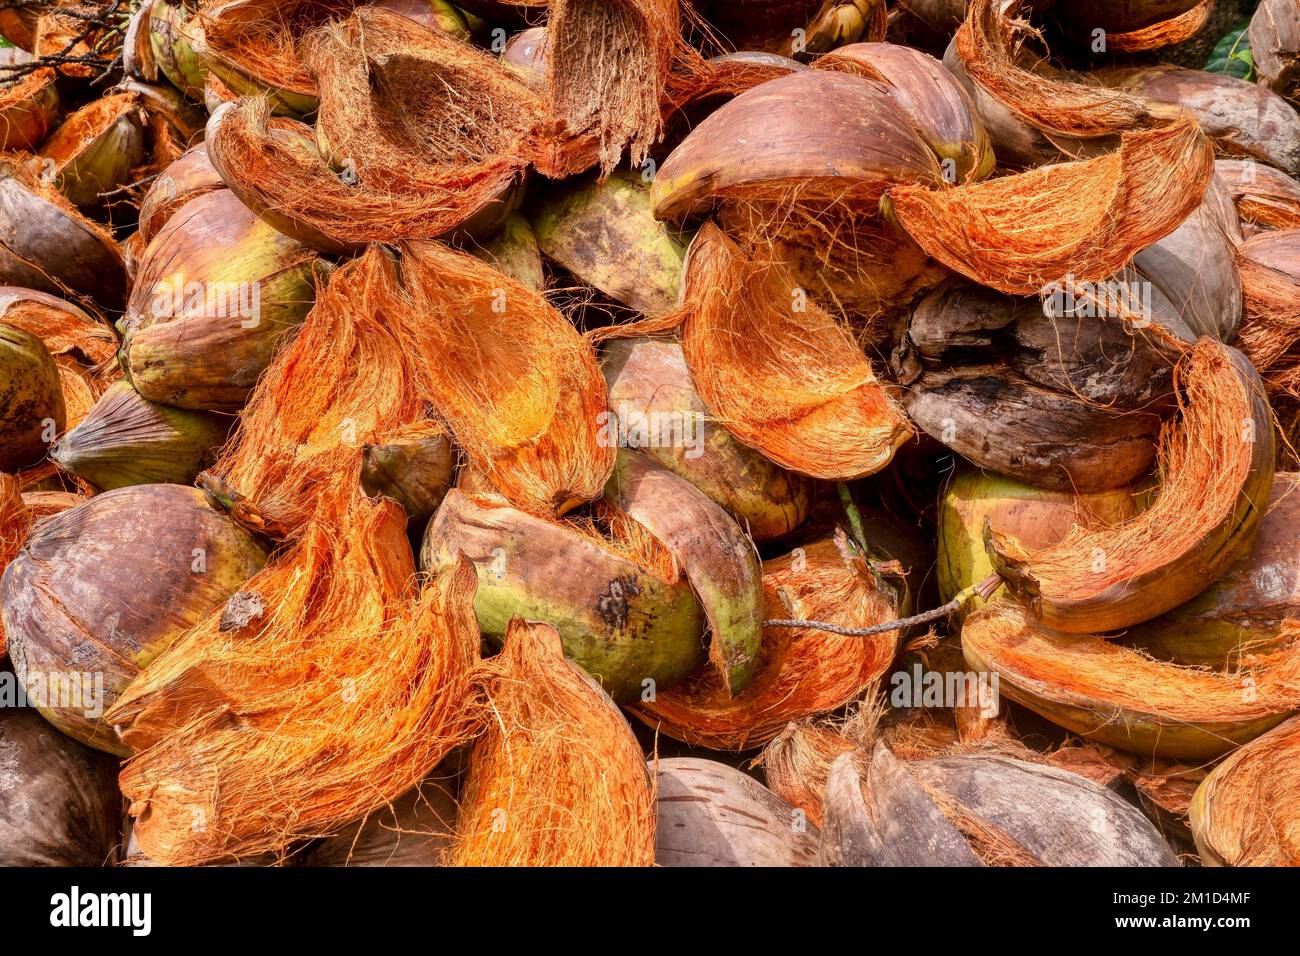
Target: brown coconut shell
{"x":32,"y":410}
{"x":416,"y":830}
{"x":1270,"y":284}
{"x":414,"y":467}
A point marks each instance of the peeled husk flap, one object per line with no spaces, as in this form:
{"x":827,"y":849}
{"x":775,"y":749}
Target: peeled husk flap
{"x":1244,"y":812}
{"x":103,"y":588}
{"x":557,"y":779}
{"x":622,"y":609}
{"x":96,"y":148}
{"x":1121,"y":697}
{"x":1264,"y":196}
{"x":655,"y":409}
{"x":801,"y":672}
{"x":787,"y":382}
{"x":1216,"y":467}
{"x":217,"y":291}
{"x":128,"y":440}
{"x":1270,"y":285}
{"x":59,"y":804}
{"x":1275,"y":44}
{"x":27,"y":107}
{"x":1022,"y":232}
{"x":31,"y":398}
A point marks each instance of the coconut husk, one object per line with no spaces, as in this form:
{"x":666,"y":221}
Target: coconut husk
{"x":1270,"y":283}
{"x":32,"y":411}
{"x":15,"y":523}
{"x":624,"y":611}
{"x":1251,"y":608}
{"x":177,"y":47}
{"x":1102,"y":765}
{"x":28,"y":107}
{"x":516,"y":384}
{"x":1165,"y":32}
{"x":1243,"y":814}
{"x":650,"y":383}
{"x":1165,"y":790}
{"x":1216,"y":468}
{"x":1275,"y":45}
{"x":190,"y":176}
{"x":1120,"y":697}
{"x":96,"y":148}
{"x":514,"y":252}
{"x":217,"y":291}
{"x":81,"y":624}
{"x":414,"y":467}
{"x":557,"y":779}
{"x":1265,"y":197}
{"x":710,"y":814}
{"x":797,"y":761}
{"x":822,"y":412}
{"x":801,"y":672}
{"x":1011,"y":233}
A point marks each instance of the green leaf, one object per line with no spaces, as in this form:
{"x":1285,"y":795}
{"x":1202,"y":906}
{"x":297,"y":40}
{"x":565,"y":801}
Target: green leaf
{"x":1232,"y":55}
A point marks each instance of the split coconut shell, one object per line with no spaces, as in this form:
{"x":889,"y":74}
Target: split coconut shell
{"x":101,"y":589}
{"x":1265,"y":197}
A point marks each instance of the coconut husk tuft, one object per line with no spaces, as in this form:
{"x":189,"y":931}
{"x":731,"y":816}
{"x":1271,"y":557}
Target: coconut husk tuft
{"x":1085,"y":219}
{"x":558,"y":779}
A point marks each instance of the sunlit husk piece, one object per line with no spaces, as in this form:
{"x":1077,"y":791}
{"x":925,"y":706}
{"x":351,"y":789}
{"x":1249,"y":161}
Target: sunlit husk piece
{"x":217,"y":291}
{"x":414,"y":467}
{"x":1243,"y":119}
{"x":32,"y":411}
{"x":28,"y":107}
{"x":190,"y":176}
{"x":1116,"y":695}
{"x":1250,"y":609}
{"x":800,"y":672}
{"x":622,"y":608}
{"x":45,"y":244}
{"x":101,"y":589}
{"x":415,"y":830}
{"x":649,"y":385}
{"x":129,"y":440}
{"x":1037,"y":518}
{"x":514,"y":381}
{"x":557,"y":779}
{"x":1264,"y":196}
{"x":1019,"y":233}
{"x":1275,"y":45}
{"x":59,"y":804}
{"x":711,"y":814}
{"x":1245,"y":812}
{"x":939,"y":107}
{"x":433,"y":135}
{"x":96,"y":148}
{"x":1069,"y":403}
{"x":607,"y":65}
{"x":605,"y":233}
{"x":791,"y":384}
{"x":513,"y":251}
{"x":1216,"y":475}
{"x":1270,"y":284}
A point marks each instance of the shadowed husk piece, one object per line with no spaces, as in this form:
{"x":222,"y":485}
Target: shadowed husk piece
{"x":1264,"y":196}
{"x":557,"y":779}
{"x":32,"y":411}
{"x":96,"y":148}
{"x":1270,"y":284}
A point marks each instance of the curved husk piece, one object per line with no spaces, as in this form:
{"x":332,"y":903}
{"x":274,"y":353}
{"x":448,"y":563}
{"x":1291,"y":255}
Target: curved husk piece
{"x":1035,"y":517}
{"x":1244,"y":812}
{"x":1118,"y":696}
{"x":514,"y":381}
{"x":1243,"y":119}
{"x":177,"y":46}
{"x":416,"y":830}
{"x":45,"y":244}
{"x":621,"y":607}
{"x":1175,"y":29}
{"x":655,"y":409}
{"x":557,"y":779}
{"x":31,"y":398}
{"x":605,"y":233}
{"x":1264,"y":196}
{"x":101,"y":589}
{"x":1270,"y":286}
{"x":190,"y":176}
{"x":129,"y":440}
{"x":96,"y":148}
{"x":1216,"y":470}
{"x":936,"y":102}
{"x":1022,"y":232}
{"x":791,"y":384}
{"x":59,"y":804}
{"x":1247,"y":611}
{"x":801,"y":672}
{"x":414,"y":467}
{"x":216,"y":293}
{"x":1275,"y":45}
{"x":710,"y":814}
{"x":607,"y":65}
{"x":717,"y":557}
{"x":28,"y":107}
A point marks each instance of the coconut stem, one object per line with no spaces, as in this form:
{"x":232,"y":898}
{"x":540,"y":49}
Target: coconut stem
{"x":983,"y":590}
{"x":855,"y":518}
